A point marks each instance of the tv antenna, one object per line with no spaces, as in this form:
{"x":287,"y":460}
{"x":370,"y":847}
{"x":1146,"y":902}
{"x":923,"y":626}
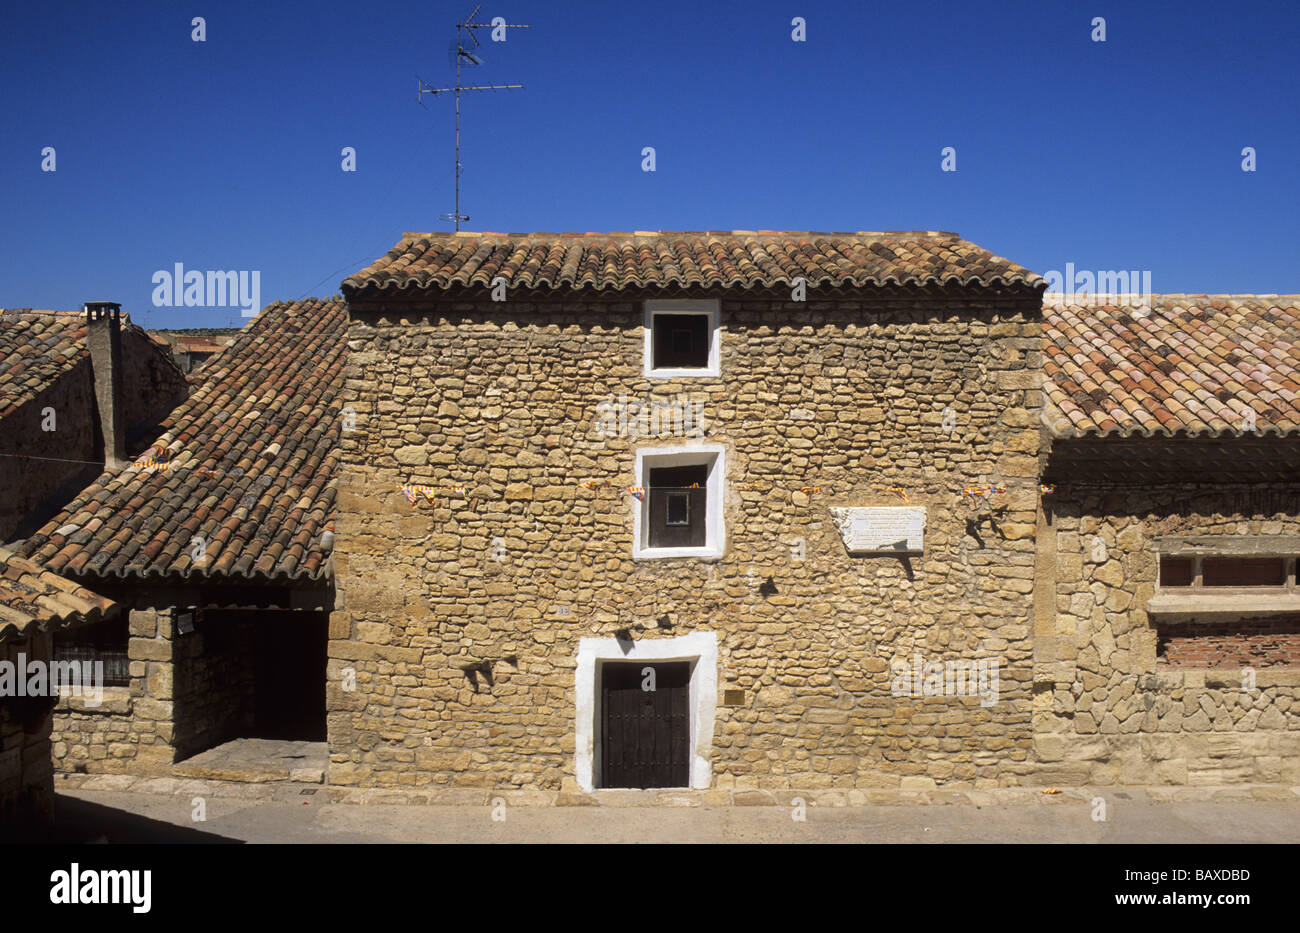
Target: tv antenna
{"x":462,"y":53}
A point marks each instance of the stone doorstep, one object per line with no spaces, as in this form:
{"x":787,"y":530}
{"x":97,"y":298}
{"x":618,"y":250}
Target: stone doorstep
{"x":676,"y":797}
{"x":257,"y":761}
{"x":248,"y":773}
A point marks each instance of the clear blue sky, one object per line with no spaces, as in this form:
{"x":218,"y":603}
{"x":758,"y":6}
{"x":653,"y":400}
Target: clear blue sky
{"x":225,"y":154}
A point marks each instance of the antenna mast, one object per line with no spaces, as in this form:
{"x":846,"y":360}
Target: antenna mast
{"x":463,"y":54}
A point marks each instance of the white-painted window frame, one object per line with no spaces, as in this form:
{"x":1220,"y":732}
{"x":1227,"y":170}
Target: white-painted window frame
{"x":715,"y":534}
{"x":700,"y":649}
{"x":709,"y":306}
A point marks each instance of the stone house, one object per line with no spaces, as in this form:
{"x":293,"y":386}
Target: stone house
{"x":811,"y":487}
{"x":77,"y":390}
{"x":650,"y":455}
{"x":216,"y":544}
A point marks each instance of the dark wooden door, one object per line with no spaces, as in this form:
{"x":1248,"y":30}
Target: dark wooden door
{"x":645,"y":734}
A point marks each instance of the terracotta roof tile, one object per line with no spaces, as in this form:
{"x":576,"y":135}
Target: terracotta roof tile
{"x":36,"y":347}
{"x":654,"y":259}
{"x":33,"y":599}
{"x":1190,"y":364}
{"x":248,"y":463}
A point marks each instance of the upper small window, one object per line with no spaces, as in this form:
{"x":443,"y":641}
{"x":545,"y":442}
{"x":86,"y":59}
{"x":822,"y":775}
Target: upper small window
{"x":681,"y":339}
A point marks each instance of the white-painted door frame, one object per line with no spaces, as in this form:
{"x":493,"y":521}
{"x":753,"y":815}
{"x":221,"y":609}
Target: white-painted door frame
{"x":699,"y":648}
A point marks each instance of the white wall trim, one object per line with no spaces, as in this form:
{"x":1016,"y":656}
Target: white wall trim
{"x":709,"y":306}
{"x":715,"y":539}
{"x":700,"y":647}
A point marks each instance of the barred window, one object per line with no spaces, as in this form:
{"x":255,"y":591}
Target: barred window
{"x":103,"y":642}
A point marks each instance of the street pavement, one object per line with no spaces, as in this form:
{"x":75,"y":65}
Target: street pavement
{"x":293,"y":813}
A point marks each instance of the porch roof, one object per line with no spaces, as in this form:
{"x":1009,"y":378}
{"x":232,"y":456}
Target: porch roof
{"x":33,"y":599}
{"x":241,"y":484}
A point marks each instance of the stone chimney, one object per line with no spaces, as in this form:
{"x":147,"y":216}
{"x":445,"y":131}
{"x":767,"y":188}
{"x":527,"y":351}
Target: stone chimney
{"x":104,"y":339}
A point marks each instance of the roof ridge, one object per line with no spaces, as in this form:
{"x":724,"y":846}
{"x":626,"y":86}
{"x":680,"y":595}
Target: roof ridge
{"x":470,"y":234}
{"x":703,"y":258}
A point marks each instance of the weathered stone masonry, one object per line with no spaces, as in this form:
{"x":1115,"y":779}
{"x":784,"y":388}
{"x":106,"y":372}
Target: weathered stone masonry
{"x":187,"y":693}
{"x":465,"y":664}
{"x":1109,"y":706}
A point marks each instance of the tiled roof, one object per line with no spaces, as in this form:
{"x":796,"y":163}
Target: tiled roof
{"x":248,"y":464}
{"x":1191,"y":364}
{"x":33,"y":599}
{"x":744,"y":258}
{"x":198,"y":344}
{"x":36,"y":347}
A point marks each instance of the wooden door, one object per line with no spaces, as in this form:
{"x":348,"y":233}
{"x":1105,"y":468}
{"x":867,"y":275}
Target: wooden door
{"x":645,"y":733}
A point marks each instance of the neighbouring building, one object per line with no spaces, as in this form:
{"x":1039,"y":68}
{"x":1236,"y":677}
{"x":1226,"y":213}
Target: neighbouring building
{"x":191,"y":350}
{"x":1167,"y":615}
{"x":77,"y":390}
{"x":216,"y":543}
{"x":34,"y":604}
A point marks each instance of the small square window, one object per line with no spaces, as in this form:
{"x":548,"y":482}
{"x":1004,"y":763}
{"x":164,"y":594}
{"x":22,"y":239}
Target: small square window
{"x":680,"y":514}
{"x":681,"y":339}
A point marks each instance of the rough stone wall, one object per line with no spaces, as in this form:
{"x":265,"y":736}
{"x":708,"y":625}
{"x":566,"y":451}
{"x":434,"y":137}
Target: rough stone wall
{"x":154,"y":386}
{"x":41,"y":470}
{"x":35,"y":463}
{"x":212,"y":682}
{"x":26,"y":774}
{"x":846,"y":397}
{"x":1108,"y":708}
{"x":187,"y":693}
{"x":131,"y":730}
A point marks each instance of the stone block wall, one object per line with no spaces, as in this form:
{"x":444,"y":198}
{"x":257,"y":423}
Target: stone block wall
{"x":131,"y":730}
{"x":42,"y":469}
{"x":1219,"y":704}
{"x":460,"y":618}
{"x":188,"y":692}
{"x":26,"y":773}
{"x":212,"y":682}
{"x":35,"y":463}
{"x":154,"y":385}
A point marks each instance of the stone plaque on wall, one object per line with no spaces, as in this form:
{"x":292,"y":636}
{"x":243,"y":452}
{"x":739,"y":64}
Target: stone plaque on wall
{"x":881,"y":529}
